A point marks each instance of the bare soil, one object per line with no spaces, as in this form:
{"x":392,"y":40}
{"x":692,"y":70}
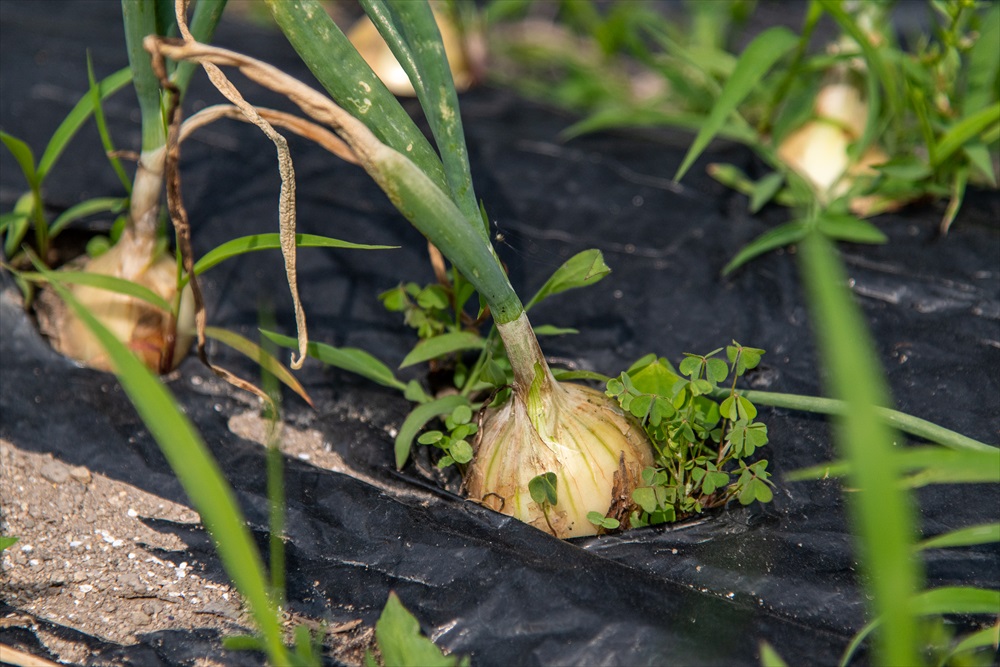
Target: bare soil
{"x":86,"y":560}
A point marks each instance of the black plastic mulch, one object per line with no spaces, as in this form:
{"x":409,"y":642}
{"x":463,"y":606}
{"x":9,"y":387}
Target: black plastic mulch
{"x":479,"y":583}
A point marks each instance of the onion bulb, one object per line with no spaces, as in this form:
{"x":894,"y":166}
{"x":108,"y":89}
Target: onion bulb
{"x":819,"y":150}
{"x":159,"y":339}
{"x":369,"y":43}
{"x":596,"y":452}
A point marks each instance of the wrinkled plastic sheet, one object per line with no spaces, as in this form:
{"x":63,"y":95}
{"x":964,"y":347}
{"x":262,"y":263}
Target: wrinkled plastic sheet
{"x":706,"y":592}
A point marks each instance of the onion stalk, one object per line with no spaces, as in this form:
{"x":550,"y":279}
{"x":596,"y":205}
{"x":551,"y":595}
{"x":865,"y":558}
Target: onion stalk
{"x":160,"y":338}
{"x":594,"y":449}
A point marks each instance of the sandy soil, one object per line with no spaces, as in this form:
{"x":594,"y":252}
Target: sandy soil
{"x":87,"y":561}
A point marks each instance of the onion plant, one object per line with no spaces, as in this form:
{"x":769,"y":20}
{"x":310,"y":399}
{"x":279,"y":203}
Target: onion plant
{"x":560,"y":456}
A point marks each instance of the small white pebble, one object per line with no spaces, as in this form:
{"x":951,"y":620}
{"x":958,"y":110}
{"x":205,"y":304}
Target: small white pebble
{"x":131,"y":556}
{"x":86,"y":588}
{"x":33,"y":562}
{"x":26,"y":548}
{"x":303,"y":456}
{"x":132,"y":513}
{"x":75,"y":543}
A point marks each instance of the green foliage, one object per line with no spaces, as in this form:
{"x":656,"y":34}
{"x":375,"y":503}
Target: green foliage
{"x":931,"y":105}
{"x":455,"y":442}
{"x":197,"y":471}
{"x":543,"y":489}
{"x":401,"y":644}
{"x":702,"y":446}
{"x":7,"y":541}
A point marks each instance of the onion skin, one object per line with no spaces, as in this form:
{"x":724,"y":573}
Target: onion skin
{"x":155,"y":336}
{"x":581,"y":436}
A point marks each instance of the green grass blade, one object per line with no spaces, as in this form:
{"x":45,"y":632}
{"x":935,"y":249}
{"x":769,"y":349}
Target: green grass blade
{"x":410,"y":30}
{"x":929,"y":464}
{"x":764,"y":190}
{"x":851,"y":229}
{"x":337,"y":65}
{"x":983,"y":64}
{"x":102,"y":128}
{"x":255,"y":242}
{"x":615,"y":117}
{"x":18,"y":223}
{"x":139,"y":17}
{"x":109,"y":283}
{"x":198,"y":473}
{"x":349,"y":359}
{"x":582,"y":269}
{"x":7,"y":541}
{"x":779,"y":237}
{"x":418,"y":418}
{"x":831,"y":406}
{"x":755,"y":61}
{"x":987,"y":638}
{"x":938,"y":601}
{"x":963,"y":537}
{"x":24,"y":156}
{"x":769,"y":657}
{"x":438,"y":346}
{"x":261,"y":357}
{"x":75,"y":119}
{"x":963,"y":132}
{"x":86,"y":208}
{"x":882,"y":513}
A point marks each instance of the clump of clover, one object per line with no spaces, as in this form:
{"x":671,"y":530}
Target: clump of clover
{"x":704,"y":435}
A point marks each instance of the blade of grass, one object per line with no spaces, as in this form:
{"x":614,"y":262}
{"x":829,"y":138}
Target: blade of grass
{"x":418,"y":418}
{"x":779,"y":237}
{"x":882,"y":513}
{"x":197,"y":471}
{"x":349,"y":80}
{"x":929,"y":465}
{"x":350,"y":359}
{"x":963,"y":537}
{"x":19,"y":222}
{"x":964,"y":131}
{"x":101,"y":281}
{"x":851,"y":229}
{"x":76,"y":117}
{"x":831,"y":406}
{"x":985,"y":639}
{"x":102,"y":128}
{"x":983,"y":64}
{"x":268,"y":363}
{"x":755,"y":61}
{"x":431,"y":348}
{"x":936,"y":601}
{"x":272,"y":241}
{"x":86,"y":208}
{"x":410,"y":30}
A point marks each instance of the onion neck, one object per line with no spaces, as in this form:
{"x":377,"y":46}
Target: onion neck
{"x":140,"y":237}
{"x":526,"y":360}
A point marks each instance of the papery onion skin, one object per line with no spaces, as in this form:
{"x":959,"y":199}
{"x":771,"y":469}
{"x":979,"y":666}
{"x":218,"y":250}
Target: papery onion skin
{"x":154,"y":335}
{"x":582,"y":437}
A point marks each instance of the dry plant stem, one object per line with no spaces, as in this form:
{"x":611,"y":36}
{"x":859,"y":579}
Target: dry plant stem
{"x":286,"y":199}
{"x":182,"y":228}
{"x":299,"y":126}
{"x":414,"y":195}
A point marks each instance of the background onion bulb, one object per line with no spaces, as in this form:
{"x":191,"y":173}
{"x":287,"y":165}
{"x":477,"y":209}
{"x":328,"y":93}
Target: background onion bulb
{"x":596,"y":451}
{"x":159,"y":340}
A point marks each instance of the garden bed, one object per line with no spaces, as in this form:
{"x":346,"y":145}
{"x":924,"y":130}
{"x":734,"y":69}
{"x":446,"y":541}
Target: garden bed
{"x":706,"y":592}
